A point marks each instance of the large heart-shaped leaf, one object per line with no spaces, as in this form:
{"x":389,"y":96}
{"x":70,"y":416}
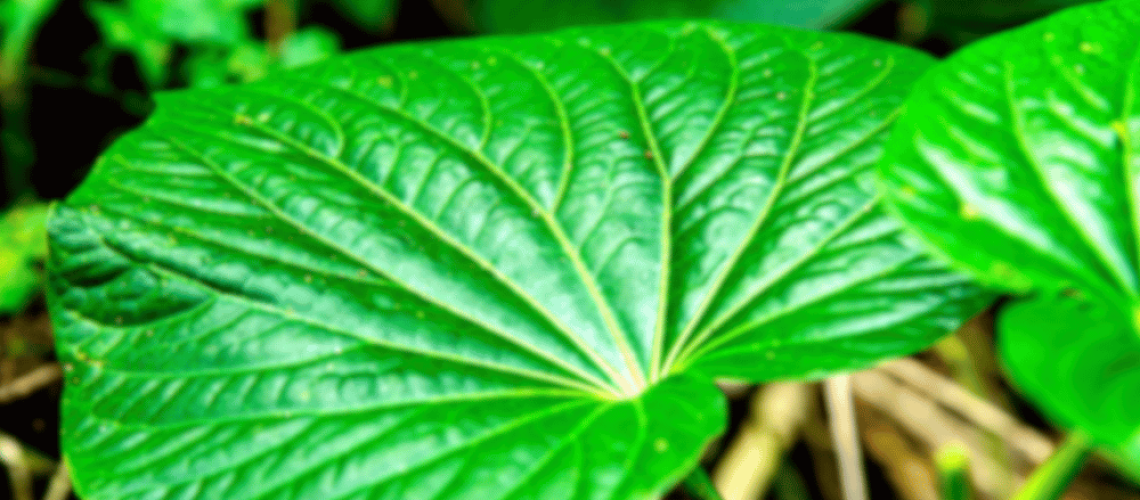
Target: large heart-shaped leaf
{"x":1017,"y":158}
{"x":492,"y":269}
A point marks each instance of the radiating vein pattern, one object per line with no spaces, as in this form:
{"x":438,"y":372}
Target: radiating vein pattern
{"x":482,"y":269}
{"x":1016,"y":158}
{"x":1036,"y":183}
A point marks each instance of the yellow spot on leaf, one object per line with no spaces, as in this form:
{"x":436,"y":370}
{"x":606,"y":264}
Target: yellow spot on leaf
{"x":969,"y":212}
{"x":1121,"y":129}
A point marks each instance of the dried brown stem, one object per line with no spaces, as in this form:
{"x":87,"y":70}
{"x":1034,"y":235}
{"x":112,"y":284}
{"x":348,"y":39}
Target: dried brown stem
{"x":60,"y":486}
{"x":19,"y":473}
{"x":30,"y":382}
{"x":750,"y":462}
{"x":1031,"y":444}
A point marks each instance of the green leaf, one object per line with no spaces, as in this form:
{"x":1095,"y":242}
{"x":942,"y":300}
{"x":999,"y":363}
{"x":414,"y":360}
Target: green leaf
{"x":368,"y":14}
{"x":307,"y":46}
{"x":1089,"y":382}
{"x":1017,"y":159}
{"x":250,"y":61}
{"x":20,"y":21}
{"x":212,"y":67}
{"x":1127,"y":457}
{"x":148,"y":29}
{"x":23,"y":248}
{"x":513,"y":16}
{"x":497,"y":269}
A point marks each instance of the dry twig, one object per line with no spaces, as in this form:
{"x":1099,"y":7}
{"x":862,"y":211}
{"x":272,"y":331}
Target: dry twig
{"x":19,"y":474}
{"x":30,"y":383}
{"x":60,"y":486}
{"x":844,"y":431}
{"x":931,"y":424}
{"x":1030,"y":443}
{"x":904,"y":466}
{"x":750,"y":462}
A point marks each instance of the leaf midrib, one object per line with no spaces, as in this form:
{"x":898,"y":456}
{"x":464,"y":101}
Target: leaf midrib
{"x":1019,"y":136}
{"x":365,"y":341}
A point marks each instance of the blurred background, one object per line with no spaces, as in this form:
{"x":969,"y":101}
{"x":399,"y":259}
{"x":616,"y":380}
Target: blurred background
{"x":75,"y":74}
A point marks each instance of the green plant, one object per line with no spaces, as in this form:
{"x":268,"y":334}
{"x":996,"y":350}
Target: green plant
{"x":220,"y":43}
{"x":1016,"y":159}
{"x":19,"y":22}
{"x":23,"y":248}
{"x":500,"y":268}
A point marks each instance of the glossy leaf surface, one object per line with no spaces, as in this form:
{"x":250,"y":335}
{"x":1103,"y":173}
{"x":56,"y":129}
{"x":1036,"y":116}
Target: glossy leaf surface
{"x":1017,"y":159}
{"x":1088,"y":381}
{"x":488,"y":269}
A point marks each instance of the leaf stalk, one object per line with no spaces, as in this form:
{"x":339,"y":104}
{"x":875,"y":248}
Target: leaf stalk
{"x":1053,"y":477}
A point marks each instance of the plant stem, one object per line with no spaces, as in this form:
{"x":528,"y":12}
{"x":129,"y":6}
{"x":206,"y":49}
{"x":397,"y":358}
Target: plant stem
{"x":953,"y":465}
{"x":749,"y":463}
{"x":845,"y":434}
{"x":16,"y":148}
{"x":1052,"y":478}
{"x":700,"y":486}
{"x":280,"y":22}
{"x":19,"y":474}
{"x":59,"y":488}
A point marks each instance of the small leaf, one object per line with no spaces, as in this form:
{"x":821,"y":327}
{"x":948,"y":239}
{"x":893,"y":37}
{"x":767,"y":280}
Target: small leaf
{"x":149,"y":29}
{"x":484,"y":269}
{"x":23,"y":248}
{"x":20,"y":21}
{"x":1017,"y":158}
{"x":307,"y":46}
